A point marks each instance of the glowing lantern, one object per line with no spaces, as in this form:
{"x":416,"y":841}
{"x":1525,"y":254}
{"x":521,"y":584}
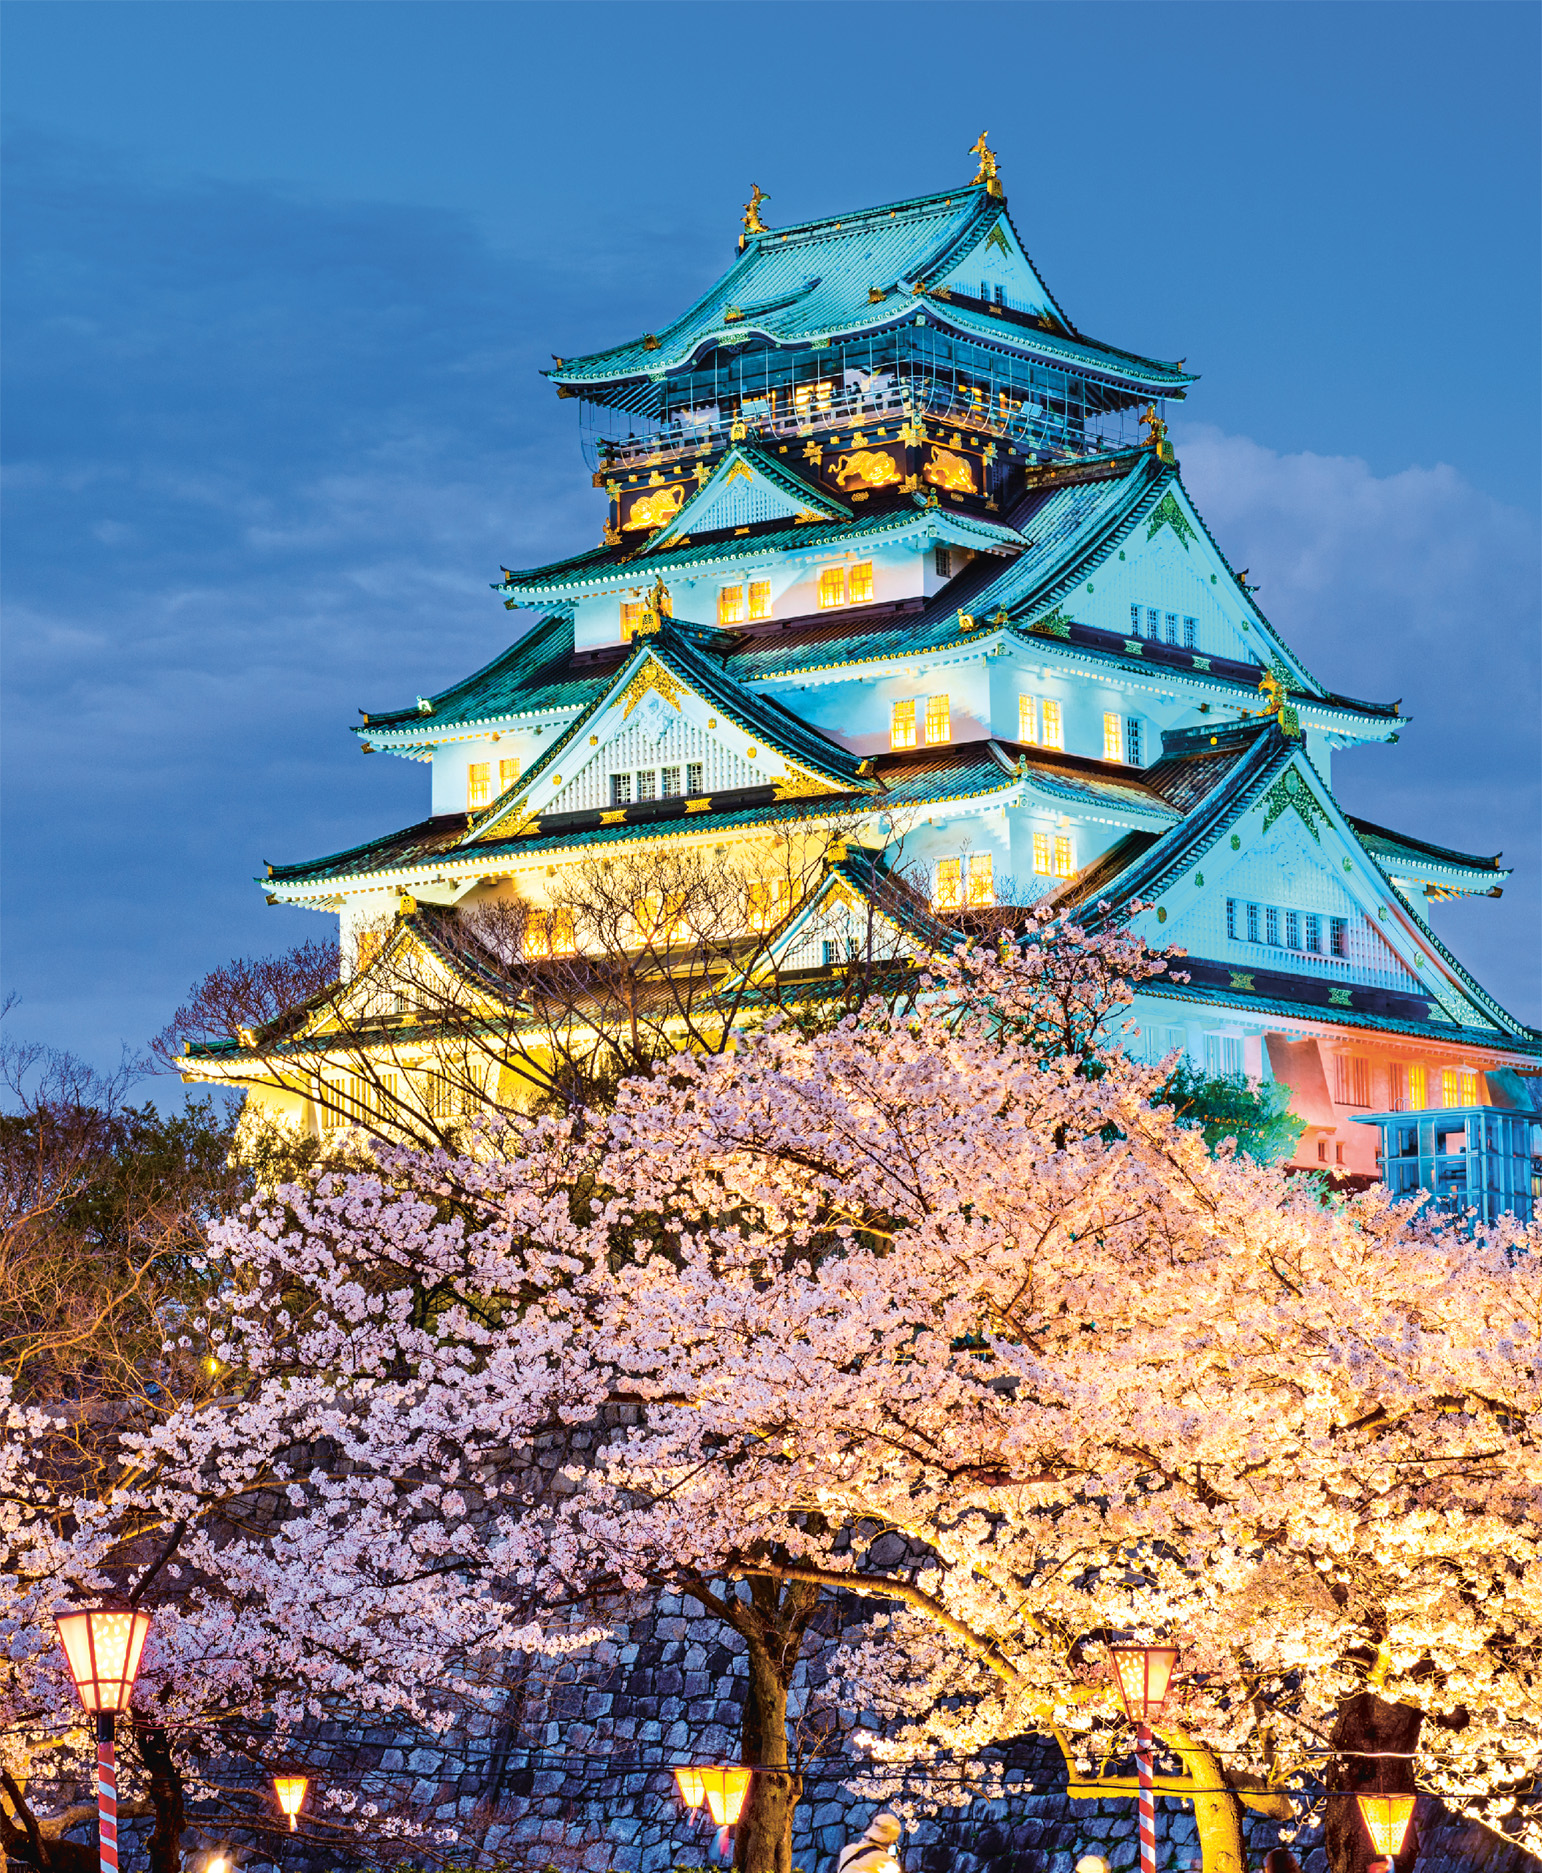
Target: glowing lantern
{"x":103,"y":1646}
{"x":1143,"y":1673}
{"x":1386,"y":1819}
{"x":693,"y":1791}
{"x":290,"y":1790}
{"x":725,"y":1790}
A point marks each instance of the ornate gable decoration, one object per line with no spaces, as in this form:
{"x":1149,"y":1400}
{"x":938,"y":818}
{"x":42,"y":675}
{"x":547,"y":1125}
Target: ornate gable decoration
{"x":743,"y":491}
{"x":1167,"y":513}
{"x":1290,"y":792}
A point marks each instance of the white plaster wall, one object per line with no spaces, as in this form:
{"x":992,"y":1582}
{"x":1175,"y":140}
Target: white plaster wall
{"x":452,"y":759}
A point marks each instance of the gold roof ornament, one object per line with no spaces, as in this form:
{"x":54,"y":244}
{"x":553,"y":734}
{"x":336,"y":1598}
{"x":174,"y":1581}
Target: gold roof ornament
{"x":988,"y":171}
{"x":657,"y":609}
{"x":1278,"y":704}
{"x":752,"y":221}
{"x":1156,"y":440}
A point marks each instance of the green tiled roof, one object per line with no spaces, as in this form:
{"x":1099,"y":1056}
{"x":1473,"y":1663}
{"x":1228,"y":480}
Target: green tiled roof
{"x":1418,"y":853}
{"x":814,"y":282}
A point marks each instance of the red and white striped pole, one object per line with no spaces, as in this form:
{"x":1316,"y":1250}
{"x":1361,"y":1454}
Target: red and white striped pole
{"x":1148,"y":1861}
{"x":107,"y":1790}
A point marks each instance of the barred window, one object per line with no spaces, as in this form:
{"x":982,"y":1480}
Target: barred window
{"x":1172,"y":627}
{"x":730,"y":604}
{"x":1272,"y":927}
{"x":1028,"y":718}
{"x":1064,"y":866}
{"x":949,"y":892}
{"x":944,"y":563}
{"x":760,"y":598}
{"x":982,"y":878}
{"x":670,"y":782}
{"x":1113,"y":737}
{"x":1135,"y":621}
{"x":937,"y":719}
{"x":1132,"y":740}
{"x":1042,"y":855}
{"x":1054,"y":731}
{"x":647,"y":783}
{"x":621,"y":790}
{"x":508,"y":773}
{"x":832,"y":587}
{"x":1153,"y":624}
{"x":902,"y":725}
{"x":768,"y":901}
{"x":1190,"y":633}
{"x":1338,"y":936}
{"x":1353,"y":1081}
{"x":1418,"y":1086}
{"x":693,"y":777}
{"x":859,"y":583}
{"x":1313,"y":933}
{"x":479,"y":784}
{"x":631,"y":617}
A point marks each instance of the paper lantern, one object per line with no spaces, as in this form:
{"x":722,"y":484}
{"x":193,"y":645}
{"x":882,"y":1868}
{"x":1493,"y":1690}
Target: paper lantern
{"x":1143,"y":1674}
{"x":103,"y":1646}
{"x":692,"y":1789}
{"x":725,"y":1790}
{"x":1386,"y":1819}
{"x":290,"y":1790}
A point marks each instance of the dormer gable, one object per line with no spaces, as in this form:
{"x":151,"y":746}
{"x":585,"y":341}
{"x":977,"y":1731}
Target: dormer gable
{"x":995,"y":268}
{"x":746,"y":489}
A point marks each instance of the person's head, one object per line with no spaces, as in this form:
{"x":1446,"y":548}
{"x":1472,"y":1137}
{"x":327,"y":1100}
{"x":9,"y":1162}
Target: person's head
{"x":1092,"y":1863}
{"x":885,"y":1828}
{"x":1281,"y":1860}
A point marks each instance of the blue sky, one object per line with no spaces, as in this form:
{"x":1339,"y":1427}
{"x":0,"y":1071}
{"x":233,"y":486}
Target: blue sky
{"x":279,"y":277}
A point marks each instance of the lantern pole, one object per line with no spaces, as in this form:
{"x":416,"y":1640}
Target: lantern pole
{"x":107,"y":1789}
{"x":1148,"y":1854}
{"x":1143,"y":1674}
{"x":102,"y":1647}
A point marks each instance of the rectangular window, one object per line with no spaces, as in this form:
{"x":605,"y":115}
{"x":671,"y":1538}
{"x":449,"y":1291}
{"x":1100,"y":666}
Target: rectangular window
{"x":982,"y":878}
{"x":1054,"y":731}
{"x":1172,"y":627}
{"x":1132,"y":740}
{"x":1190,"y":633}
{"x":1135,"y":621}
{"x":760,"y":598}
{"x":479,"y":783}
{"x":1113,"y":738}
{"x":1252,"y":923}
{"x":1353,"y":1081}
{"x":693,"y":777}
{"x":944,"y":563}
{"x":1397,"y":1087}
{"x":832,"y":587}
{"x":902,"y":725}
{"x":859,"y":583}
{"x":1153,"y":624}
{"x":1042,"y":858}
{"x":669,"y":779}
{"x":508,"y":773}
{"x":1292,"y":929}
{"x":937,"y":719}
{"x":767,"y":903}
{"x":631,"y":617}
{"x":730,"y":604}
{"x":1314,"y":933}
{"x":1063,"y":864}
{"x":550,"y":933}
{"x":1470,"y":1089}
{"x":1418,"y":1087}
{"x":1450,"y":1087}
{"x":647,"y":783}
{"x":1338,"y":936}
{"x":1231,"y":918}
{"x":1272,"y":927}
{"x":1028,"y":718}
{"x":1223,"y":1055}
{"x":829,"y":954}
{"x":621,"y":790}
{"x":949,"y":891}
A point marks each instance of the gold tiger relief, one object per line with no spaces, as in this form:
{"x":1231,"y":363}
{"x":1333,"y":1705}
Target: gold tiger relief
{"x":654,"y":510}
{"x":871,"y":467}
{"x":947,"y":470}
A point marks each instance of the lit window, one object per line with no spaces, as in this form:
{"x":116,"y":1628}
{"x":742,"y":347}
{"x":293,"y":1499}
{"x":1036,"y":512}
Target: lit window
{"x":1190,"y":633}
{"x":760,"y":598}
{"x":810,"y":397}
{"x":1054,"y":732}
{"x":621,"y":790}
{"x":859,"y":583}
{"x":1132,"y":740}
{"x":631,"y":617}
{"x":937,"y":728}
{"x":730,"y":604}
{"x":1063,"y":865}
{"x":646,"y":779}
{"x":949,"y":893}
{"x":768,"y":903}
{"x":1113,"y":738}
{"x":693,"y":777}
{"x":1450,"y":1087}
{"x":1042,"y":856}
{"x":902,"y":725}
{"x":1470,"y":1089}
{"x":660,"y":918}
{"x":982,"y":878}
{"x":944,"y":563}
{"x":369,"y":945}
{"x":670,"y":778}
{"x":508,"y":773}
{"x":832,"y":587}
{"x":550,"y":933}
{"x":1028,"y":718}
{"x":479,"y":783}
{"x":1418,"y":1088}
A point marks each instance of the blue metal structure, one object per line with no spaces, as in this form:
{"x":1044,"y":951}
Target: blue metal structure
{"x":1480,"y":1158}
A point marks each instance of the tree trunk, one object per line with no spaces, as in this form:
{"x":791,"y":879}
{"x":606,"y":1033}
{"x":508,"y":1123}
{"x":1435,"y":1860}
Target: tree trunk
{"x":1387,"y":1735}
{"x":776,"y":1620}
{"x":166,"y":1798}
{"x":1217,"y":1812}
